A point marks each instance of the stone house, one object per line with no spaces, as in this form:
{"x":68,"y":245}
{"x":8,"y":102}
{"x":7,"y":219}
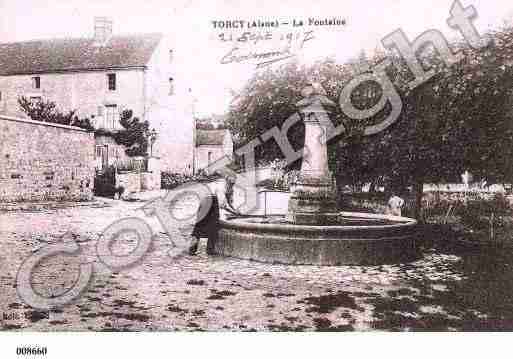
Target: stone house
{"x":212,"y":145}
{"x":99,"y":77}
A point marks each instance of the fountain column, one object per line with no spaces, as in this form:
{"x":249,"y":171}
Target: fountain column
{"x":313,"y":199}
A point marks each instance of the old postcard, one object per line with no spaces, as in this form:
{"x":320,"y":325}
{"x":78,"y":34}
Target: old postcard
{"x":255,"y":166}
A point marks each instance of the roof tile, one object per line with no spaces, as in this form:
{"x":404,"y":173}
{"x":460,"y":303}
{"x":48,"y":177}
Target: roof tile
{"x":61,"y":55}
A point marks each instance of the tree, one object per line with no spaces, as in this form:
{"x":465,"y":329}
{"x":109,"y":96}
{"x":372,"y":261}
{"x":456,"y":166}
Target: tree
{"x":84,"y":123}
{"x":458,"y":120}
{"x":270,"y":98}
{"x":134,"y":135}
{"x":46,"y":111}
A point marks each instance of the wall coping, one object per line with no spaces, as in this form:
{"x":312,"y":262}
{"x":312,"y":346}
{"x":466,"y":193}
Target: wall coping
{"x":41,"y":123}
{"x":213,"y":146}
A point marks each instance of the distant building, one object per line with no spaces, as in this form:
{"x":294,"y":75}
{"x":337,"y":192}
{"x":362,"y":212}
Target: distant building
{"x":212,"y":145}
{"x":100,"y":77}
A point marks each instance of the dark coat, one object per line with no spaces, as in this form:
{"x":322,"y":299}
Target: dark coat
{"x":208,"y":226}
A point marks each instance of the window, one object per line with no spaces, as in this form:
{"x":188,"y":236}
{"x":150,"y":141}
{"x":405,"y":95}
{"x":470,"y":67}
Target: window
{"x":210,"y":158}
{"x":35,"y":100}
{"x":1,"y":97}
{"x":36,"y":82}
{"x":98,"y":151}
{"x":171,"y":86}
{"x":112,"y":82}
{"x":111,"y":116}
{"x":49,"y":176}
{"x":171,"y":55}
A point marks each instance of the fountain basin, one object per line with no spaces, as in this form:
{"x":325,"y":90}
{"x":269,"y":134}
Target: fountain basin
{"x":362,"y":239}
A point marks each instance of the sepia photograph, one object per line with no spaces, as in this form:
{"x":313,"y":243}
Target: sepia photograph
{"x":172,"y":167}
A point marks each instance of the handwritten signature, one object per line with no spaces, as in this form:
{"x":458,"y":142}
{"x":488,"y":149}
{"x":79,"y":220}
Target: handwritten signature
{"x":266,"y":58}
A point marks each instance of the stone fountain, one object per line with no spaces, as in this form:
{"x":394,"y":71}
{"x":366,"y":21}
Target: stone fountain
{"x":314,"y":198}
{"x":314,"y":231}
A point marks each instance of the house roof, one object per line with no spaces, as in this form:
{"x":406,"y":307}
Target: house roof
{"x":210,"y":137}
{"x":62,"y":55}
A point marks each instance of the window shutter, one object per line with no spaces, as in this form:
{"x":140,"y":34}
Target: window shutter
{"x":111,"y":79}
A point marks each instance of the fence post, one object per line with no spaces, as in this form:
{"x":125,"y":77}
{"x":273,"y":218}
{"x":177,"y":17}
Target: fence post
{"x":492,"y":219}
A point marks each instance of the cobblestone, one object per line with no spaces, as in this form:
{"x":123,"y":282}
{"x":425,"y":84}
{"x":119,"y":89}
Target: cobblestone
{"x":441,"y":291}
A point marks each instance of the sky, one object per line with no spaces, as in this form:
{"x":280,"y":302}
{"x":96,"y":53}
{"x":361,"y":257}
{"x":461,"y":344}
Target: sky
{"x":189,"y":24}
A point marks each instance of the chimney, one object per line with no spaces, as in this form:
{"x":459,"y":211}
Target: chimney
{"x":102,"y":30}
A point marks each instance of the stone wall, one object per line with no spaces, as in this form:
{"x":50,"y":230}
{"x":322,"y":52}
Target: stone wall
{"x":42,"y":161}
{"x":134,"y":181}
{"x":130,"y":181}
{"x":151,"y":180}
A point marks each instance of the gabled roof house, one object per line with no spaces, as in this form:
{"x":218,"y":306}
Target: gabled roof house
{"x":99,"y":77}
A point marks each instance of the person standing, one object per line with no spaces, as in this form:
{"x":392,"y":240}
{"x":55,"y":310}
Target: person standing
{"x":206,"y":225}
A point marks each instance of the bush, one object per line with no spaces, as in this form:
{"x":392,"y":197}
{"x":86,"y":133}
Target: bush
{"x":477,"y":214}
{"x":134,"y":134}
{"x":46,"y":111}
{"x":173,"y":180}
{"x":362,"y":202}
{"x":132,"y":165}
{"x":281,"y":180}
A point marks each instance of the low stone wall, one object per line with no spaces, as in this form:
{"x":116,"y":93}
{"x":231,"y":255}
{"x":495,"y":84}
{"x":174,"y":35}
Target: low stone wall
{"x":151,"y":180}
{"x":44,"y":162}
{"x":134,"y":182}
{"x":130,"y":181}
{"x":137,"y":182}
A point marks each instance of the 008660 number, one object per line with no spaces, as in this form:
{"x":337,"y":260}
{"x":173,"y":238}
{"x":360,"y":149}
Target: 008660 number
{"x":26,"y":351}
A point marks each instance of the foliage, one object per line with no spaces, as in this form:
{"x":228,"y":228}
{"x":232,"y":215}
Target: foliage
{"x":134,"y":135}
{"x":84,"y":123}
{"x":478,"y":214}
{"x":173,"y":180}
{"x":459,"y":120}
{"x":281,"y":178}
{"x":270,"y":98}
{"x":204,"y":125}
{"x":104,"y":132}
{"x":46,"y":111}
{"x":472,"y":211}
{"x":132,"y":165}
